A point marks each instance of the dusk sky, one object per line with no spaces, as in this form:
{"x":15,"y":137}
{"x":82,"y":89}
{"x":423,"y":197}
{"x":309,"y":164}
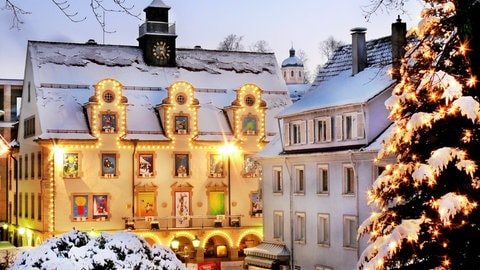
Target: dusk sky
{"x":281,"y":23}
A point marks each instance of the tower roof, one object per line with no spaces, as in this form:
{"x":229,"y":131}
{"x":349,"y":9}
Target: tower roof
{"x":292,"y":61}
{"x":157,"y":4}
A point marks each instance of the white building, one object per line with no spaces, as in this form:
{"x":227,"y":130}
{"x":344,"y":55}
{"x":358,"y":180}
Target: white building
{"x":316,"y":174}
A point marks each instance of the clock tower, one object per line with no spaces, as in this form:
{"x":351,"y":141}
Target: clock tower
{"x":157,"y":36}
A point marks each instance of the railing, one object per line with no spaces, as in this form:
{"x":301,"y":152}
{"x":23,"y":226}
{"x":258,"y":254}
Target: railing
{"x":176,"y":222}
{"x":157,"y":28}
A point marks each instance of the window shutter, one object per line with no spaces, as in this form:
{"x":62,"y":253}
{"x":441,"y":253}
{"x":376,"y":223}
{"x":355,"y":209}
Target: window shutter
{"x":311,"y":132}
{"x":286,"y":134}
{"x":360,"y":126}
{"x":328,"y":127}
{"x":338,"y":127}
{"x":303,"y":132}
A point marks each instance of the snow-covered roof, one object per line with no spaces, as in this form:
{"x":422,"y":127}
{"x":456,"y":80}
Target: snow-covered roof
{"x":379,"y":53}
{"x":297,"y":90}
{"x":335,"y":85}
{"x":343,"y":89}
{"x":64,"y":75}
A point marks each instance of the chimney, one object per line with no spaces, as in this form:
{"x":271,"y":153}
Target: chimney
{"x":359,"y":50}
{"x":399,"y":32}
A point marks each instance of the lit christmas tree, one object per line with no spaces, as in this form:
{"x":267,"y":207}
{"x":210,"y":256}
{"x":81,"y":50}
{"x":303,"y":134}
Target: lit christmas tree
{"x":426,"y":213}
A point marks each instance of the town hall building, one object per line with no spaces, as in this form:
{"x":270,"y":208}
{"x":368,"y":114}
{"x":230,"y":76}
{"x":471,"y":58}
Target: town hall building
{"x":153,"y":139}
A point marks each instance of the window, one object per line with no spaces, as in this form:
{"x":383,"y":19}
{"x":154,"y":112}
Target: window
{"x":39,"y":205}
{"x":323,"y":129}
{"x":277,"y":180}
{"x":29,"y":127}
{"x":348,"y":180}
{"x":350,"y":231}
{"x":181,"y":98}
{"x":322,"y":179}
{"x":39,"y":165}
{"x":295,"y":132}
{"x":278,"y":225}
{"x":32,"y":206}
{"x":20,"y":168}
{"x":378,"y":171}
{"x":249,"y":100}
{"x":26,"y":166}
{"x":323,"y":229}
{"x":349,"y":126}
{"x":299,"y":179}
{"x":300,"y":227}
{"x":291,"y":74}
{"x":15,"y":204}
{"x":20,"y":205}
{"x":322,"y":267}
{"x":108,"y":96}
{"x":32,"y":165}
{"x":26,"y":205}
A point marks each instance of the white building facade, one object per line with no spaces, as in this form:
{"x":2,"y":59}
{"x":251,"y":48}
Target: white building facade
{"x":317,"y":172}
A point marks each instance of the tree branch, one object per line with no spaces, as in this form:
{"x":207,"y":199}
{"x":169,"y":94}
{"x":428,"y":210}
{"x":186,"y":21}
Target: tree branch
{"x":17,"y":13}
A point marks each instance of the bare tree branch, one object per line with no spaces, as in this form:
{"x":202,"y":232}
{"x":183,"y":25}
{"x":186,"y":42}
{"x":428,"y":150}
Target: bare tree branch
{"x":380,"y":6}
{"x":64,"y":6}
{"x":17,"y":13}
{"x":98,"y":8}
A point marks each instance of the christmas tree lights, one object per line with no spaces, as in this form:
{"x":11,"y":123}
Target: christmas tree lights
{"x":425,"y":205}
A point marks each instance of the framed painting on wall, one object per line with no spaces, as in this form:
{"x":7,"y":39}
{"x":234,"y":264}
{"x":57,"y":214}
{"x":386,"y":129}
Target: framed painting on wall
{"x":145,"y":165}
{"x":70,"y":165}
{"x":182,"y":166}
{"x":216,"y":165}
{"x":181,"y":124}
{"x":257,"y":205}
{"x":80,"y":207}
{"x":109,"y":122}
{"x":182,"y":209}
{"x":100,"y":207}
{"x":146,"y":204}
{"x":250,"y":167}
{"x":109,"y":165}
{"x":250,"y":125}
{"x":216,"y":203}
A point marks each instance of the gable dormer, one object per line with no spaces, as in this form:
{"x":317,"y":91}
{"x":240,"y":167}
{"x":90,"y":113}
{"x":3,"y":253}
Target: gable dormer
{"x":106,"y":109}
{"x":179,"y":110}
{"x":247,"y":114}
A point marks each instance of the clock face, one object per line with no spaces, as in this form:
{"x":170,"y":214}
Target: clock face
{"x":161,"y":51}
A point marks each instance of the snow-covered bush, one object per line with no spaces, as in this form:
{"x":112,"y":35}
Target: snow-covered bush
{"x":79,"y":250}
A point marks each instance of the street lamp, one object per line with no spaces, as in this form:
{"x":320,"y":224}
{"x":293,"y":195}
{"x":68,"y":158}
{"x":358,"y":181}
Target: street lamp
{"x":175,"y":243}
{"x":196,"y":242}
{"x":228,"y":150}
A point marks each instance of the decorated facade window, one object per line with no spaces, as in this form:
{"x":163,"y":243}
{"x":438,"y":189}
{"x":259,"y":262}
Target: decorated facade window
{"x":181,"y":124}
{"x":182,"y":165}
{"x":87,"y":207}
{"x":109,"y":165}
{"x":249,"y":100}
{"x":181,"y":98}
{"x":108,"y":96}
{"x":71,"y":165}
{"x":109,"y":122}
{"x":146,"y":165}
